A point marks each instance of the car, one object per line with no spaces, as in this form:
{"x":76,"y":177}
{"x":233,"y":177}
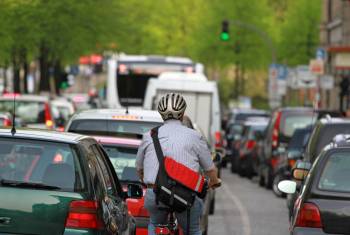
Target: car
{"x":234,"y":130}
{"x":323,"y":133}
{"x":65,"y":111}
{"x":82,"y":101}
{"x":60,"y":183}
{"x":5,"y":119}
{"x":294,"y":152}
{"x":114,"y":122}
{"x":325,"y":194}
{"x":252,"y":130}
{"x":32,"y":111}
{"x":280,"y":129}
{"x":122,"y":154}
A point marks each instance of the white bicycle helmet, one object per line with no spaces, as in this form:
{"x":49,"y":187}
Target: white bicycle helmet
{"x":172,"y":106}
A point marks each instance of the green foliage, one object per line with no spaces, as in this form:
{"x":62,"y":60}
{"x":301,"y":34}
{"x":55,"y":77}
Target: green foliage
{"x":71,"y":28}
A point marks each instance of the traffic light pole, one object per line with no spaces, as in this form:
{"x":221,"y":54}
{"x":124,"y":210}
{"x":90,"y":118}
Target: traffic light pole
{"x":268,"y":41}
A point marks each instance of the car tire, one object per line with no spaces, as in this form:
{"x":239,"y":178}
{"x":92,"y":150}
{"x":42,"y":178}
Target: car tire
{"x":268,"y":180}
{"x":261,"y":179}
{"x":278,"y":178}
{"x":212,"y":207}
{"x":224,"y":163}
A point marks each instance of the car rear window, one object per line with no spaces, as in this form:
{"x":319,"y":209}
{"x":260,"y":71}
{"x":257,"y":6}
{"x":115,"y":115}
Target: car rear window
{"x":296,"y":121}
{"x":123,"y":160}
{"x":111,"y":128}
{"x":254,"y":129}
{"x":29,"y":112}
{"x":336,"y":173}
{"x":42,"y":162}
{"x":245,"y":116}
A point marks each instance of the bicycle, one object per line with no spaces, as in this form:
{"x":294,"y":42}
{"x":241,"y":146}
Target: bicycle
{"x":172,"y":227}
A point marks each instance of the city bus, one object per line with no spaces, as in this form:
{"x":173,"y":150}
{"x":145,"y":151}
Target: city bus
{"x":128,"y":76}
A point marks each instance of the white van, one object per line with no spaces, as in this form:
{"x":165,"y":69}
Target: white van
{"x":201,"y":95}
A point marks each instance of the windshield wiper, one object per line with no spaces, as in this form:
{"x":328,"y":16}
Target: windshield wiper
{"x":20,"y":184}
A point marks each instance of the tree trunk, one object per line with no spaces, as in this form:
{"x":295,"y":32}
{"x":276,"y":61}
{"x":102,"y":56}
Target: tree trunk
{"x":57,"y":75}
{"x":16,"y":72}
{"x":44,"y":68}
{"x":25,"y":67}
{"x":5,"y":76}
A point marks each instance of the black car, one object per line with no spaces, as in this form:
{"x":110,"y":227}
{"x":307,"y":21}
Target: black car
{"x":294,"y":152}
{"x":280,"y":130}
{"x":322,"y":207}
{"x":323,"y":133}
{"x":60,"y":183}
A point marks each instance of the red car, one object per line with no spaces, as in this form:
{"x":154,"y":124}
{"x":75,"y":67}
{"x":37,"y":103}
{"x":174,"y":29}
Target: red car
{"x":122,"y":153}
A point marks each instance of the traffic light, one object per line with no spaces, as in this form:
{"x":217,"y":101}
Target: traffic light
{"x":225,"y":36}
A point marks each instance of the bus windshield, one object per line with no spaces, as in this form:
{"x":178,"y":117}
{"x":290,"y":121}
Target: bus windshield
{"x":132,"y":78}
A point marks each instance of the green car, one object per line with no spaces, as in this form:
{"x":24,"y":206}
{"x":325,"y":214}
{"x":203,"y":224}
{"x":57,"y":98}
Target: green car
{"x":60,"y":183}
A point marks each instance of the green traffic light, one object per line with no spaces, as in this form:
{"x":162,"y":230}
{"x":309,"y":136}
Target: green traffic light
{"x":224,"y":36}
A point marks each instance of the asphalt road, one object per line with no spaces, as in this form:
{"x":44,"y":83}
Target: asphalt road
{"x":244,"y":208}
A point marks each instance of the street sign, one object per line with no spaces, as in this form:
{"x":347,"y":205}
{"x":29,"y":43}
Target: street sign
{"x":320,"y":53}
{"x":327,"y":82}
{"x":304,"y":77}
{"x":317,"y":67}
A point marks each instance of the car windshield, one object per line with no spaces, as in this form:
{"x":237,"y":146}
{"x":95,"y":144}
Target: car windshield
{"x":29,"y":112}
{"x":336,"y":173}
{"x":112,"y":127}
{"x":40,"y":162}
{"x":123,"y":160}
{"x":293,"y":122}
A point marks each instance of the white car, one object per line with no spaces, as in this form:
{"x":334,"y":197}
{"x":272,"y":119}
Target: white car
{"x":114,"y":122}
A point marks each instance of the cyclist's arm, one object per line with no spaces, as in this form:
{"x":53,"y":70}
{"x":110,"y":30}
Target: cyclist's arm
{"x":206,"y":162}
{"x":141,"y":156}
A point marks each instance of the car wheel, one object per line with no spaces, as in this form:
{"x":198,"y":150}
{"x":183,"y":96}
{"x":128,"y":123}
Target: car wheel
{"x":268,"y":179}
{"x":261,"y":179}
{"x":223,"y":163}
{"x":278,"y":178}
{"x":212,"y":207}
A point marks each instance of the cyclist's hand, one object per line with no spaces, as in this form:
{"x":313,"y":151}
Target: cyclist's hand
{"x":215,"y":184}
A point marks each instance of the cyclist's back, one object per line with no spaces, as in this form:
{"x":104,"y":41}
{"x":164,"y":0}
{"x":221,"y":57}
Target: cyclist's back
{"x":185,"y":146}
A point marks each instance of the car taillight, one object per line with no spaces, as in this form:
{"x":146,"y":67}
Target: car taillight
{"x":48,"y":117}
{"x":218,"y":139}
{"x":309,"y":216}
{"x":275,"y":130}
{"x":7,"y":122}
{"x":274,"y":162}
{"x":291,"y":163}
{"x":250,"y":144}
{"x":83,"y":214}
{"x":162,"y":230}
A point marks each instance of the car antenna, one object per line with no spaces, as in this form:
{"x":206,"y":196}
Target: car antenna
{"x":127,"y":96}
{"x":13,"y":130}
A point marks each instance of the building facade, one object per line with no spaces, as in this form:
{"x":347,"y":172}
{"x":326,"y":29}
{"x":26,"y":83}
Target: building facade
{"x":335,"y":38}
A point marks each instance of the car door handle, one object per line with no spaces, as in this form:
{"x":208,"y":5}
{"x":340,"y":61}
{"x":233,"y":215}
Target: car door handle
{"x":5,"y":220}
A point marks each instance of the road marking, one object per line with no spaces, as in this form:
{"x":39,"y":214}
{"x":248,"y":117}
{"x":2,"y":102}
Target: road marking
{"x":242,"y":210}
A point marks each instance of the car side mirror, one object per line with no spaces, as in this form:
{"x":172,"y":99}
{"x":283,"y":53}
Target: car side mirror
{"x":287,"y":186}
{"x":301,"y":170}
{"x":134,"y":191}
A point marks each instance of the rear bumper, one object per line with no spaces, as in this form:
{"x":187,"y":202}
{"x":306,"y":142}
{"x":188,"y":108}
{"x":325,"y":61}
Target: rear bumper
{"x":141,"y":222}
{"x":308,"y":231}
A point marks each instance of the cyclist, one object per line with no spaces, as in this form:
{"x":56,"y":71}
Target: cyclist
{"x":184,"y":145}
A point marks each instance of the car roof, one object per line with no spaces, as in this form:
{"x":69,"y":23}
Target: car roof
{"x":19,"y":97}
{"x":249,"y":111}
{"x":119,"y":114}
{"x":38,"y":134}
{"x":293,"y":109}
{"x":118,"y":141}
{"x":334,"y":121}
